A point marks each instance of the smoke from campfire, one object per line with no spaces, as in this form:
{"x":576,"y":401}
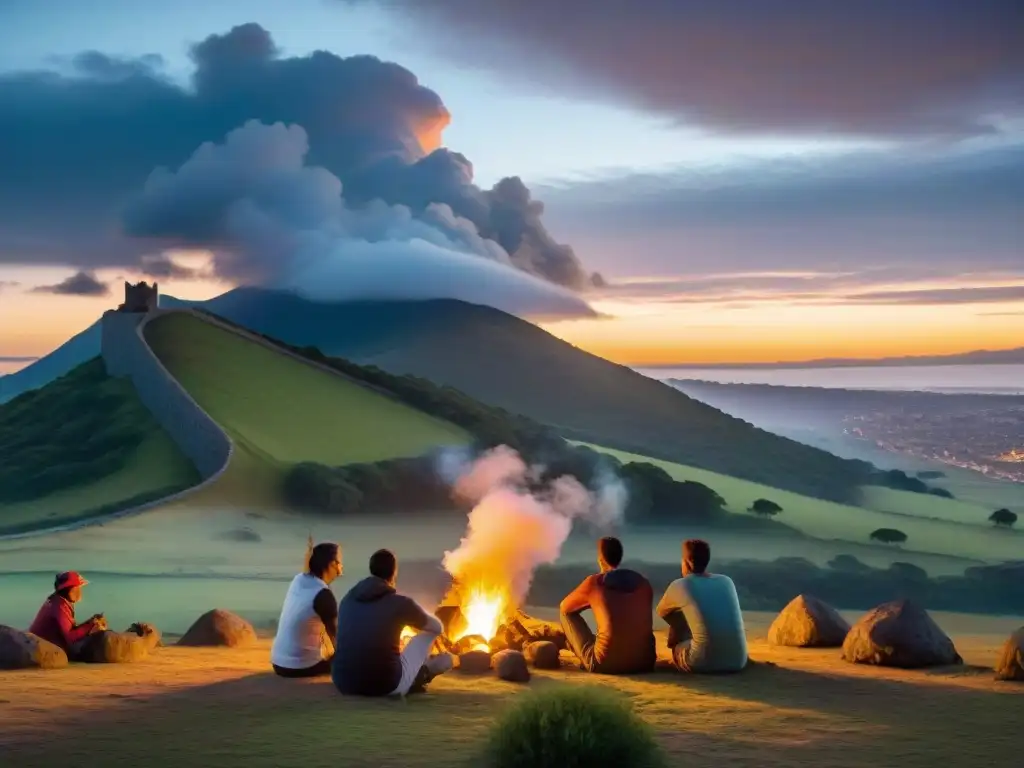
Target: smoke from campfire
{"x":517,"y":523}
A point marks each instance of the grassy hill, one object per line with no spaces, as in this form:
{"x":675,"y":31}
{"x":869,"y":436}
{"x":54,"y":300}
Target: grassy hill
{"x":941,"y":526}
{"x":507,"y":362}
{"x":280,"y":411}
{"x":82,"y":446}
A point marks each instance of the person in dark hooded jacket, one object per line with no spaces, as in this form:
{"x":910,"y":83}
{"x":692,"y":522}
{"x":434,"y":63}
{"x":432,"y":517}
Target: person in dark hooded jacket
{"x":368,"y":657}
{"x":621,"y":601}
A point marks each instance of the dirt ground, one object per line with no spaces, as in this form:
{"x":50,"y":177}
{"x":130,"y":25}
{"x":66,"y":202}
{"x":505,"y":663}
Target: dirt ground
{"x":199,"y":707}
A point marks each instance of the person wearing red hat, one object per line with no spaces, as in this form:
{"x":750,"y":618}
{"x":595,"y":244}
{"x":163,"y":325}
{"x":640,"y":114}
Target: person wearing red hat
{"x":55,"y":621}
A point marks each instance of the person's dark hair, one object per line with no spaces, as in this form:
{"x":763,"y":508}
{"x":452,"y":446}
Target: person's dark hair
{"x":321,"y":558}
{"x":611,"y":550}
{"x":697,"y":553}
{"x":383,"y":564}
{"x":58,"y":591}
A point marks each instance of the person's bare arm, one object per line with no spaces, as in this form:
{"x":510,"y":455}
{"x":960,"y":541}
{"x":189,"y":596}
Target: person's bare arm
{"x":579,"y":599}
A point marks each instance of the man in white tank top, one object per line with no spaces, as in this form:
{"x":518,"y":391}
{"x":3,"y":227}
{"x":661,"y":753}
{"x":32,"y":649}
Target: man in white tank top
{"x":306,"y":631}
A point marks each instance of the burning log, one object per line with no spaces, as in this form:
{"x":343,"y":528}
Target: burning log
{"x":511,"y":630}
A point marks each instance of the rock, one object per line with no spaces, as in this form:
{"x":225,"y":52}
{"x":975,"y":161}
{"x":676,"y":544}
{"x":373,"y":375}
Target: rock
{"x":474,"y":662}
{"x":23,"y":650}
{"x":899,"y":634}
{"x":115,"y":648}
{"x":219,"y":628}
{"x":543,"y":654}
{"x":511,"y":665}
{"x":808,"y":622}
{"x":148,"y":632}
{"x":1011,"y":660}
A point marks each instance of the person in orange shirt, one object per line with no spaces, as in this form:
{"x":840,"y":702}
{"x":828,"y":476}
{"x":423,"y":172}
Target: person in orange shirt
{"x":621,"y":601}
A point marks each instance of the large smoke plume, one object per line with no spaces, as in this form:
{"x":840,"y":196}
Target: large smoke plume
{"x":276,"y":220}
{"x":516,"y":524}
{"x":367,"y":128}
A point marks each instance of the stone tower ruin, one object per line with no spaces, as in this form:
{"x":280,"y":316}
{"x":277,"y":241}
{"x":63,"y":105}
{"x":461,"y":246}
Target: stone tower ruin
{"x":140,"y":297}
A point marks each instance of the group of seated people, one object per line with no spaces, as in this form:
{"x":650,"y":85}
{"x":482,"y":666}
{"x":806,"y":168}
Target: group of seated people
{"x":359,"y":640}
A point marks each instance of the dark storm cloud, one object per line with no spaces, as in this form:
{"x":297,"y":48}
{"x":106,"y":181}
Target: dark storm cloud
{"x":854,"y":186}
{"x":163,"y":266}
{"x":75,"y":148}
{"x":878,"y":217}
{"x":870,"y":67}
{"x":79,"y":284}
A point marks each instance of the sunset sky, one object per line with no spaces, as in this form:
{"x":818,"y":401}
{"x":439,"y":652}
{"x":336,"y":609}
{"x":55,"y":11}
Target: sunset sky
{"x":796,"y":181}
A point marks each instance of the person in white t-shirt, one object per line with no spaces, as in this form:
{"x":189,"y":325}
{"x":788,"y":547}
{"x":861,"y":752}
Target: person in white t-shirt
{"x":306,"y":631}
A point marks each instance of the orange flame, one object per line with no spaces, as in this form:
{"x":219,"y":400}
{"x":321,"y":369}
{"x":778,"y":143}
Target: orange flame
{"x":483,"y":610}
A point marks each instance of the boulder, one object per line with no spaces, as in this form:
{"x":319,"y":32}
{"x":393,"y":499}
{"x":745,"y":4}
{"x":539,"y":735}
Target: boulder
{"x":899,"y":634}
{"x":1011,"y":660}
{"x":23,"y":650}
{"x":148,"y":632}
{"x":134,"y":644}
{"x":511,"y":665}
{"x":219,"y":628}
{"x":543,"y":654}
{"x":808,"y":622}
{"x":474,"y":662}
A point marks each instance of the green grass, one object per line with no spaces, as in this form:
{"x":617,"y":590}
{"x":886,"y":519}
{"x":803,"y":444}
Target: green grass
{"x":908,"y":512}
{"x":280,"y":411}
{"x":82,"y":446}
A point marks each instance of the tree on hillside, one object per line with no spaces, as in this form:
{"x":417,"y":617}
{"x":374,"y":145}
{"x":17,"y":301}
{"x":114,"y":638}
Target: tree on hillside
{"x":888,"y":536}
{"x":765,"y":508}
{"x":1003,"y":518}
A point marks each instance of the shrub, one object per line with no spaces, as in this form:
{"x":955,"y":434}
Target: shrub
{"x":765,"y":507}
{"x":1003,"y":517}
{"x":572,"y":726}
{"x":888,"y":536}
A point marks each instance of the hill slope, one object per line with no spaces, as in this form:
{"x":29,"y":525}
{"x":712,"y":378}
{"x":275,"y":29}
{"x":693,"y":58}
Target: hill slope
{"x":504,"y":361}
{"x":280,"y":411}
{"x":82,"y":446}
{"x":80,"y":348}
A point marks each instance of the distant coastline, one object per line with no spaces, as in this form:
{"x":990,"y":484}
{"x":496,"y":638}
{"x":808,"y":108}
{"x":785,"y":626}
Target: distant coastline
{"x":979,"y":357}
{"x":1006,"y":380}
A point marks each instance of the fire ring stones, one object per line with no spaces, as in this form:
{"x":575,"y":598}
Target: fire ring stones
{"x":543,"y":654}
{"x":511,"y":666}
{"x":808,"y":622}
{"x":474,"y":662}
{"x":899,"y":634}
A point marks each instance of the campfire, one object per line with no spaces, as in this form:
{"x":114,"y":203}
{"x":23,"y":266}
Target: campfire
{"x":483,"y":619}
{"x":515,"y":525}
